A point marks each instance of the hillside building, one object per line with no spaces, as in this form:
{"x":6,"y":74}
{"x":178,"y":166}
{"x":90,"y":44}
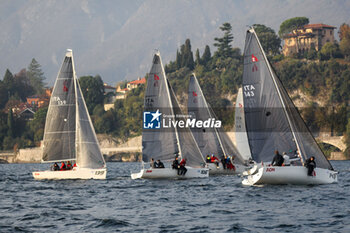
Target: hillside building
{"x":310,"y":36}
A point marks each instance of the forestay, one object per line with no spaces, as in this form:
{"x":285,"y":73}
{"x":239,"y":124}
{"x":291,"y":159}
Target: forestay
{"x":272,"y":121}
{"x":59,"y":134}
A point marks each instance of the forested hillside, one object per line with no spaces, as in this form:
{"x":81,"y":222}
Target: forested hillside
{"x":322,"y":76}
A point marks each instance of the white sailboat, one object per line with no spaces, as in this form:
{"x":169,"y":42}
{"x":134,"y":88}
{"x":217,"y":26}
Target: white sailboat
{"x":211,"y":140}
{"x":242,"y":143}
{"x":164,"y":143}
{"x":69,"y":134}
{"x":273,"y":123}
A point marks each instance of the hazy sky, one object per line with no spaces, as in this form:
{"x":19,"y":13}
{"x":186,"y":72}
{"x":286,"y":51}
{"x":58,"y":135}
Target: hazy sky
{"x":116,"y":39}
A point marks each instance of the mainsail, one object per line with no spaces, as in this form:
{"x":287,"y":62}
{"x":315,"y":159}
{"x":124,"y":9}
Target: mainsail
{"x":59,"y":134}
{"x":158,"y":143}
{"x":69,"y":133}
{"x":210,"y":141}
{"x":272,"y":121}
{"x":165,"y":143}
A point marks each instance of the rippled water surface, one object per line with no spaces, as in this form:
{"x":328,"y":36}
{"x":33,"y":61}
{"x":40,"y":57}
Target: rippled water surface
{"x":217,"y":204}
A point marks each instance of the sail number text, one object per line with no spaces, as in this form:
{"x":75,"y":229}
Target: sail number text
{"x":249,"y":90}
{"x":59,"y":101}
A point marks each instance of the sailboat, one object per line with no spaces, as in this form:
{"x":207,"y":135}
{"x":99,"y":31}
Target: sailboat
{"x":161,"y":142}
{"x":241,"y":137}
{"x":273,"y":123}
{"x":211,"y":140}
{"x":69,"y":134}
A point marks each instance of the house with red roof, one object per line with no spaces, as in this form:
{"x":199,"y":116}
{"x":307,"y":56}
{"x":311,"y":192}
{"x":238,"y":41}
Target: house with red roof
{"x":310,"y":36}
{"x":136,"y":83}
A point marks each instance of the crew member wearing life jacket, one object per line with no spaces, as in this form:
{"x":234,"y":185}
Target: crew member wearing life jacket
{"x":182,"y":169}
{"x":215,"y":160}
{"x":63,"y":167}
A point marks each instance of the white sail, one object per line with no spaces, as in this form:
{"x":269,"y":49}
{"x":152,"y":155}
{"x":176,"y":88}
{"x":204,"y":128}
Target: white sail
{"x":87,"y":148}
{"x":242,"y":143}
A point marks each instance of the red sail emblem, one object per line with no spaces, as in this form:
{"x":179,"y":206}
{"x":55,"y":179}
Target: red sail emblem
{"x":65,"y":88}
{"x":156,"y":77}
{"x":254,"y":58}
{"x":194,"y":93}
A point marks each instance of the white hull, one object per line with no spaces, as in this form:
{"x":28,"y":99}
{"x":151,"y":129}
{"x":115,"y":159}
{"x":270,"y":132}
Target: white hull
{"x":214,"y":170}
{"x":76,"y":173}
{"x":297,"y":175}
{"x":169,"y":173}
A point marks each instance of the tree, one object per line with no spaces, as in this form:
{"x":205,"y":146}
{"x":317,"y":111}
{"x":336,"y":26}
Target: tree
{"x":9,"y":83}
{"x":329,"y":50}
{"x":206,"y":55}
{"x":10,"y":124}
{"x":224,"y":43}
{"x":198,"y":58}
{"x":292,"y":24}
{"x":178,"y":59}
{"x":3,"y":95}
{"x":93,"y":91}
{"x":269,"y":40}
{"x":36,"y":76}
{"x":187,"y":55}
{"x":344,"y":35}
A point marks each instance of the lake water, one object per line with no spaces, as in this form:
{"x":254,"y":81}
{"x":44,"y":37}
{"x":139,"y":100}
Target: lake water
{"x":217,"y":204}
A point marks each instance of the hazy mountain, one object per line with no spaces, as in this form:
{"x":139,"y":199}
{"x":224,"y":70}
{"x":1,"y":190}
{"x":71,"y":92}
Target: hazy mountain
{"x":116,"y":39}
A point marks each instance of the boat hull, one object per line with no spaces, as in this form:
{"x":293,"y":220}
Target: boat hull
{"x":76,"y":173}
{"x":296,"y":175}
{"x":214,"y":170}
{"x":168,"y":173}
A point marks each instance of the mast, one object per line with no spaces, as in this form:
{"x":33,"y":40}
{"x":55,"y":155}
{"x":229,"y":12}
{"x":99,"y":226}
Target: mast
{"x":279,"y":93}
{"x":171,"y":104}
{"x":207,"y":106}
{"x":70,"y":53}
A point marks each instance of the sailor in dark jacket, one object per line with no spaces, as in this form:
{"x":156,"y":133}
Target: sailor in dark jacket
{"x":310,"y":165}
{"x":277,"y":159}
{"x":176,"y":165}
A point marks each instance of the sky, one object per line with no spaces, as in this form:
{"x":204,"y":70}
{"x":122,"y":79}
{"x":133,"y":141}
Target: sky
{"x":116,"y":39}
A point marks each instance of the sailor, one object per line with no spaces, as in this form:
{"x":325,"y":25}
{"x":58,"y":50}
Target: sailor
{"x":152,"y":164}
{"x":160,"y":164}
{"x":63,"y":167}
{"x":182,"y":168}
{"x":208,"y":159}
{"x":286,"y":159}
{"x":55,"y":167}
{"x":176,"y":165}
{"x":310,"y":165}
{"x":277,"y":159}
{"x":215,"y":160}
{"x":223,"y":161}
{"x":69,"y":166}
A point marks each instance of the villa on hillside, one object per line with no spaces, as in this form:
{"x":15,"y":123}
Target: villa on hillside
{"x":136,"y":83}
{"x":121,"y":93}
{"x":310,"y":36}
{"x":38,"y":101}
